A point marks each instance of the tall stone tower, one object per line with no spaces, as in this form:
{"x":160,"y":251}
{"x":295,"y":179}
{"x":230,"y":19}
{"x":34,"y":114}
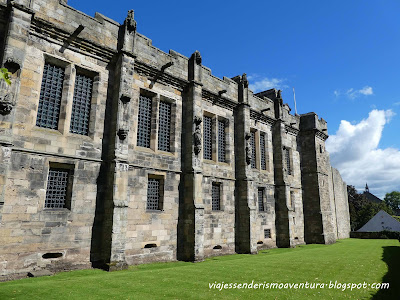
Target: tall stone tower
{"x":319,"y":206}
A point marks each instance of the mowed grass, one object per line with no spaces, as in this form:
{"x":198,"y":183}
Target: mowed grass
{"x":347,"y":261}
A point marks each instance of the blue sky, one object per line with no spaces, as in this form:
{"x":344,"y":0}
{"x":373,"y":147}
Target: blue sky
{"x":342,"y":57}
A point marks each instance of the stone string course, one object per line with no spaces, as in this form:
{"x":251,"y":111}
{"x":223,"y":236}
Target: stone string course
{"x":107,"y":224}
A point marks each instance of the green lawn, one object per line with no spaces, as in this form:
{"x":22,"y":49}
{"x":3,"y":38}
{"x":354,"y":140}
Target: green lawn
{"x":347,"y":261}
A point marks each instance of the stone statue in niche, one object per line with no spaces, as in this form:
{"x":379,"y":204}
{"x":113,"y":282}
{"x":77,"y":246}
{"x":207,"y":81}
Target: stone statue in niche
{"x":130,"y":21}
{"x":197,"y":135}
{"x":279,"y":95}
{"x":248,"y":148}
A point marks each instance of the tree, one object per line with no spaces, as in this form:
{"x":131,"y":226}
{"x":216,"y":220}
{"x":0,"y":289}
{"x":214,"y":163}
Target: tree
{"x":361,"y":210}
{"x":393,"y":200}
{"x":5,"y":75}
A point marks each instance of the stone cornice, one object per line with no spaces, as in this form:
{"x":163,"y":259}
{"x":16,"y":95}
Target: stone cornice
{"x":218,"y":100}
{"x":259,"y":117}
{"x":51,"y":32}
{"x":152,"y":72}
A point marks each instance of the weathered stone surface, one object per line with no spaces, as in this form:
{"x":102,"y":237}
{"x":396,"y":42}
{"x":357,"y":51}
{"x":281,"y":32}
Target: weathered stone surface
{"x":279,"y":192}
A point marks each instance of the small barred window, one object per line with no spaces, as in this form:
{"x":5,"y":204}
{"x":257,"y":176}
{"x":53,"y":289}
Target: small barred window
{"x":207,"y":137}
{"x":144,"y":122}
{"x":50,"y":97}
{"x":164,"y":127}
{"x":57,"y":192}
{"x":81,"y":105}
{"x":267,"y":233}
{"x":216,"y":196}
{"x":221,"y":141}
{"x":253,"y":149}
{"x":154,"y":194}
{"x":262,"y":152}
{"x":261,"y":199}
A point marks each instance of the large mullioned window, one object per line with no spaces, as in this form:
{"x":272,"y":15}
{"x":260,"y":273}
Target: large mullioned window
{"x":50,"y":97}
{"x":207,"y":137}
{"x":164,"y":126}
{"x":144,"y":122}
{"x":81,"y":105}
{"x":221,"y":141}
{"x":253,"y":149}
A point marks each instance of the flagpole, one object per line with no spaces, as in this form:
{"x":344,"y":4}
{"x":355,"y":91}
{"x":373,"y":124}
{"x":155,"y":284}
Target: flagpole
{"x":295,"y":106}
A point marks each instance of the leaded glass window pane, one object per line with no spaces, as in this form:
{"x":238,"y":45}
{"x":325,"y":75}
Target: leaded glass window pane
{"x":50,"y":97}
{"x":262,"y":152}
{"x":216,"y":196}
{"x":81,"y":105}
{"x":221,"y":141}
{"x":253,"y":149}
{"x":57,"y":184}
{"x":153,"y":194}
{"x":144,"y":122}
{"x":207,"y":137}
{"x":261,"y":199}
{"x":164,"y":127}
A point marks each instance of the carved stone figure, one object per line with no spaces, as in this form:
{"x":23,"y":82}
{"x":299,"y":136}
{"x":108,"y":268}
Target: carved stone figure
{"x":123,"y":133}
{"x":248,"y":148}
{"x":279,"y":95}
{"x":197,"y":57}
{"x":130,"y":21}
{"x":197,"y":135}
{"x":245,"y":81}
{"x":6,"y":104}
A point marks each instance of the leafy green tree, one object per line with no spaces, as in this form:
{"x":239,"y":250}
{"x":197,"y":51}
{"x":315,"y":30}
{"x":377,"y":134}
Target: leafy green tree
{"x":392,"y":200}
{"x":5,"y":75}
{"x":362,"y":210}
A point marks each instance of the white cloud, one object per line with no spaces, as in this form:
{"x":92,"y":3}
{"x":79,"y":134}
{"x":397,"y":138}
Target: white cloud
{"x":396,"y":103}
{"x":366,"y":90}
{"x":353,"y":93}
{"x":354,"y":150}
{"x":263,"y":84}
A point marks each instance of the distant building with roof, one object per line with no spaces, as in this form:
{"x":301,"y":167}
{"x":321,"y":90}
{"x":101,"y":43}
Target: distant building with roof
{"x":370,"y":197}
{"x":381,"y":221}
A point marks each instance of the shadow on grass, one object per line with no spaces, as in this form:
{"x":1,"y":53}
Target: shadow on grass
{"x":391,"y":256}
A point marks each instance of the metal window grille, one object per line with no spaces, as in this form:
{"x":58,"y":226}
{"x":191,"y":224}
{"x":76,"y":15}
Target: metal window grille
{"x":164,"y":127}
{"x":207,"y":137}
{"x":153,"y":194}
{"x":253,"y":149}
{"x":261,"y":199}
{"x":267,"y":233}
{"x":287,"y":161}
{"x":50,"y":97}
{"x":221,"y":141}
{"x":144,"y":122}
{"x":81,"y":105}
{"x":57,"y":184}
{"x":216,"y":196}
{"x":262,"y":152}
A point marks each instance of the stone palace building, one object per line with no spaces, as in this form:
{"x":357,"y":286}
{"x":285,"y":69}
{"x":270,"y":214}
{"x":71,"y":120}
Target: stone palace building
{"x":113,"y":152}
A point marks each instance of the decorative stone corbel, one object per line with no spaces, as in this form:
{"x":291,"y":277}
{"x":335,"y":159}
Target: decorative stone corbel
{"x":248,"y":148}
{"x":197,"y":135}
{"x":12,"y":64}
{"x":125,"y":98}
